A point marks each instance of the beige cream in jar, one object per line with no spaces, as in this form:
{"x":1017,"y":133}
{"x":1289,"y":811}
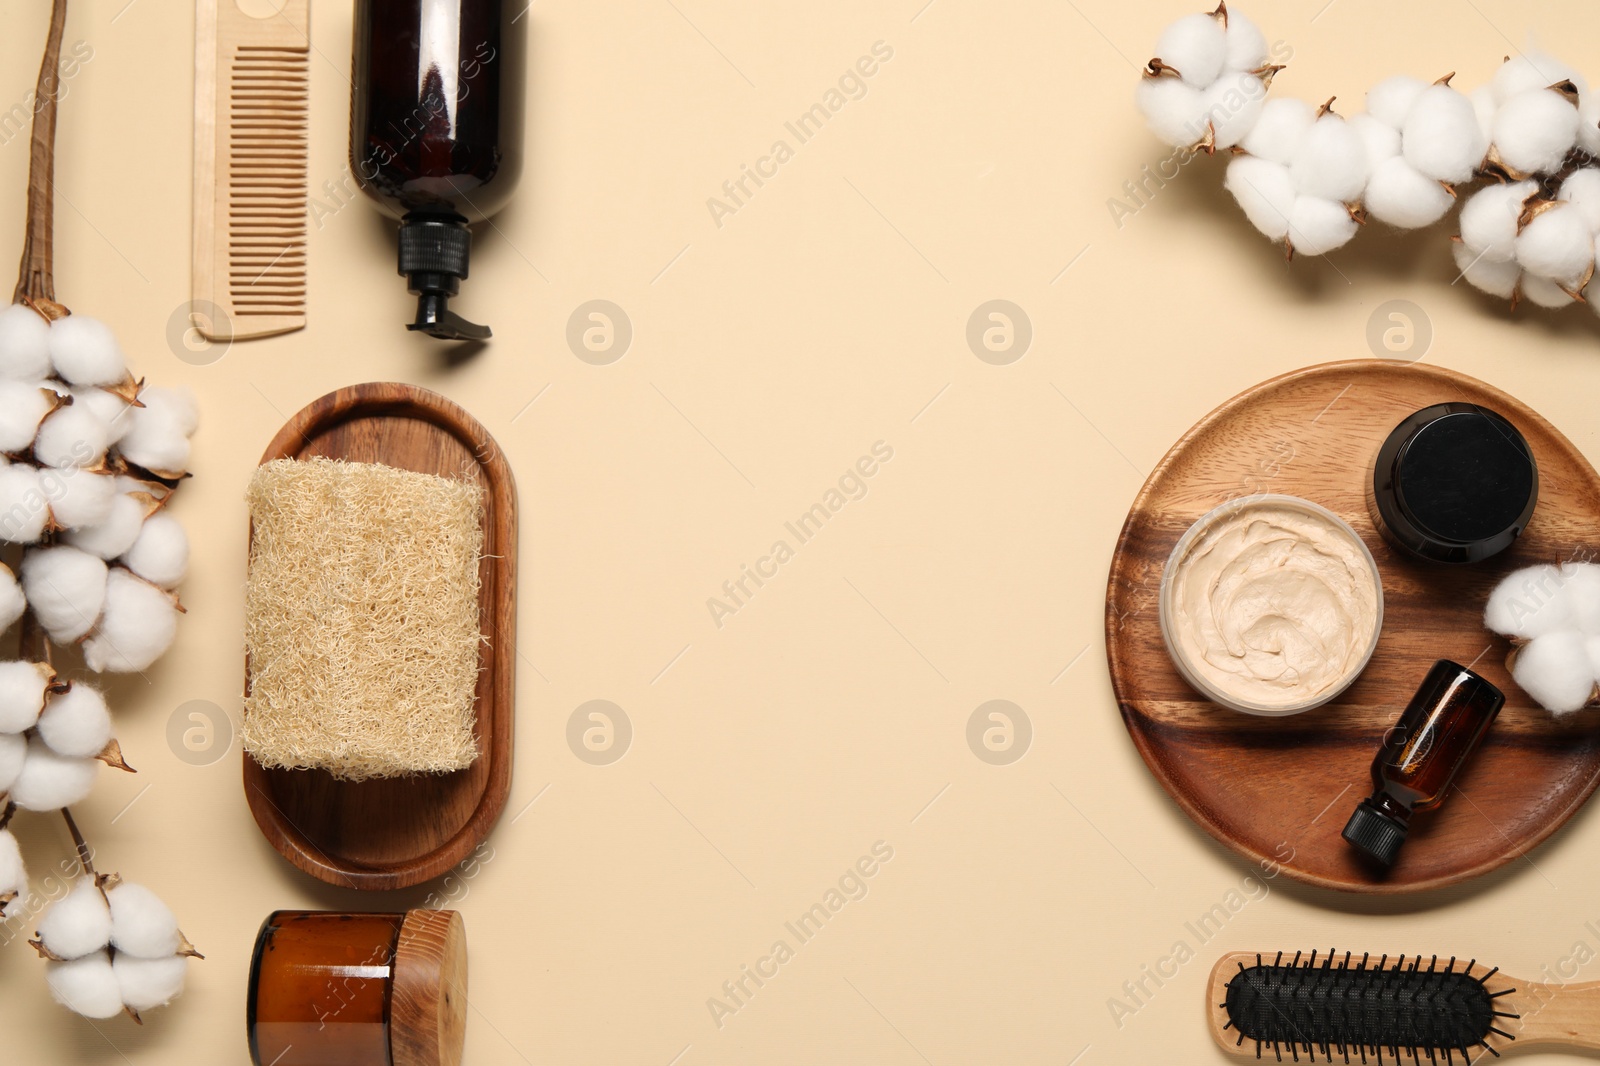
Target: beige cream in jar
{"x":1271,"y":605}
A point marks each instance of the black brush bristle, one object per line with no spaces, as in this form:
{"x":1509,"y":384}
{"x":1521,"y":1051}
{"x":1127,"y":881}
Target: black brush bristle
{"x":1345,"y":1007}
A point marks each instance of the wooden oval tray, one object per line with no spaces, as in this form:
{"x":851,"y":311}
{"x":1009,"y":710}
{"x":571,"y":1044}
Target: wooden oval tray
{"x":1280,"y":790}
{"x":399,"y":832}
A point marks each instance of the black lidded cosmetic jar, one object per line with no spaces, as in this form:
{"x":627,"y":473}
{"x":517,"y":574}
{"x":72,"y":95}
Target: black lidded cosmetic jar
{"x":1454,"y":483}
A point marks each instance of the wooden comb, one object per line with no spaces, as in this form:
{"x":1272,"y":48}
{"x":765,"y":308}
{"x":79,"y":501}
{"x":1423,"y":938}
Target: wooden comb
{"x":252,"y":85}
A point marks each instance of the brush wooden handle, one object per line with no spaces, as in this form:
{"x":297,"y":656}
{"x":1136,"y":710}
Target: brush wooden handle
{"x":1550,"y":1015}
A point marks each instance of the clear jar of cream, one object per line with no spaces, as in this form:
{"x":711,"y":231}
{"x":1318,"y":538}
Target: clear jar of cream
{"x":1271,"y":605}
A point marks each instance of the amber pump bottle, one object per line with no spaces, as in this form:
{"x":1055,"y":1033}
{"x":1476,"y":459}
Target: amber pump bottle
{"x":1420,"y":756}
{"x":436,"y":133}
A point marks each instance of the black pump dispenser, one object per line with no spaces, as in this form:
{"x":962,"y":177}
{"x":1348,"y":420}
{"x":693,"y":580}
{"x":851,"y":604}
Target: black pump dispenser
{"x":436,"y":134}
{"x":434,"y":255}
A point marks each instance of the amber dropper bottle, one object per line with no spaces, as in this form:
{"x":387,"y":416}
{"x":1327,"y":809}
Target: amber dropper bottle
{"x":1421,"y":755}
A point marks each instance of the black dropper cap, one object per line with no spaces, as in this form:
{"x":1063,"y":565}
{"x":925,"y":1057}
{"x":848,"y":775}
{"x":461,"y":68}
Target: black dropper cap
{"x":1375,"y":833}
{"x":434,"y":255}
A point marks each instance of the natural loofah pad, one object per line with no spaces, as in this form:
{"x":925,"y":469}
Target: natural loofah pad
{"x":361,"y":619}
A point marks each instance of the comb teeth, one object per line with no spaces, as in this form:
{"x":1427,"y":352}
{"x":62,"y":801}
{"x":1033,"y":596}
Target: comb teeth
{"x":1332,"y":1005}
{"x":268,"y":88}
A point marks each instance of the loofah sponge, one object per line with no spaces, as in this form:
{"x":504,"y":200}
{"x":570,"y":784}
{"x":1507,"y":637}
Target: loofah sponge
{"x":361,"y":619}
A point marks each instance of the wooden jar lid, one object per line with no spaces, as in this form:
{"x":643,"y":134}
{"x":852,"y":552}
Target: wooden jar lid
{"x":428,"y":1005}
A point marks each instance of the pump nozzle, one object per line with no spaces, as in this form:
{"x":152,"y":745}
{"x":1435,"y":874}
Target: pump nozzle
{"x":434,"y":255}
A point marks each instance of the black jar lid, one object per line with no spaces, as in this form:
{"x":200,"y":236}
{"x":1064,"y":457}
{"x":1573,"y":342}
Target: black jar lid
{"x":1455,"y":483}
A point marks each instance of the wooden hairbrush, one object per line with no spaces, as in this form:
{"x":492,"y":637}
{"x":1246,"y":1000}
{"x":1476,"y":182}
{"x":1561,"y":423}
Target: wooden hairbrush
{"x":1414,"y":1009}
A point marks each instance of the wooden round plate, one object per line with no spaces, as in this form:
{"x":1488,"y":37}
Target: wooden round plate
{"x":1279,"y":790}
{"x":397,"y":832}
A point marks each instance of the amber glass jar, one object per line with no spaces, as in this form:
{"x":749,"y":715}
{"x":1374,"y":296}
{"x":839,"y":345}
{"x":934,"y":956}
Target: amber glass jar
{"x":331,"y":989}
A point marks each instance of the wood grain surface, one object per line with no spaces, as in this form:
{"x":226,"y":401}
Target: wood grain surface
{"x":428,"y":1006}
{"x":1279,"y":791}
{"x":393,"y":833}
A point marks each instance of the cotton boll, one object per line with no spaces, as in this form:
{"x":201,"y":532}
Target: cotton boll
{"x":23,"y":508}
{"x":1497,"y":277}
{"x":1247,"y":45}
{"x":1543,"y":291}
{"x":177,"y":403}
{"x":161,"y":554}
{"x":73,"y":436}
{"x":1232,"y":106}
{"x":1534,"y":132}
{"x":1529,"y":603}
{"x":111,"y":409}
{"x":1265,"y":192}
{"x":22,"y":686}
{"x":1554,"y":669}
{"x":78,"y":498}
{"x":115,"y":533}
{"x":78,"y":925}
{"x":1318,"y":226}
{"x":1589,"y":122}
{"x":13,"y":875}
{"x":1400,"y":196}
{"x":157,"y":437}
{"x":1528,"y":72}
{"x":1557,"y":244}
{"x":1196,"y":46}
{"x":1391,"y":100}
{"x":1381,"y":140}
{"x":141,"y":924}
{"x":137,"y":626}
{"x":1331,"y":161}
{"x":76,"y":723}
{"x":1173,"y":110}
{"x":1442,"y":138}
{"x":1582,"y":190}
{"x":146,"y":984}
{"x":23,"y":405}
{"x":66,"y":588}
{"x":49,"y":781}
{"x":1581,"y":588}
{"x":13,"y":756}
{"x":12,"y":602}
{"x":24,"y":344}
{"x":1489,"y":218}
{"x":86,"y":986}
{"x":1484,"y":106}
{"x":1277,"y":133}
{"x":85,"y":351}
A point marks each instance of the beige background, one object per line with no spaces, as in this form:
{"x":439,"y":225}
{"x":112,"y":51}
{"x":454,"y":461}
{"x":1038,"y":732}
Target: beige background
{"x":830,"y":712}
